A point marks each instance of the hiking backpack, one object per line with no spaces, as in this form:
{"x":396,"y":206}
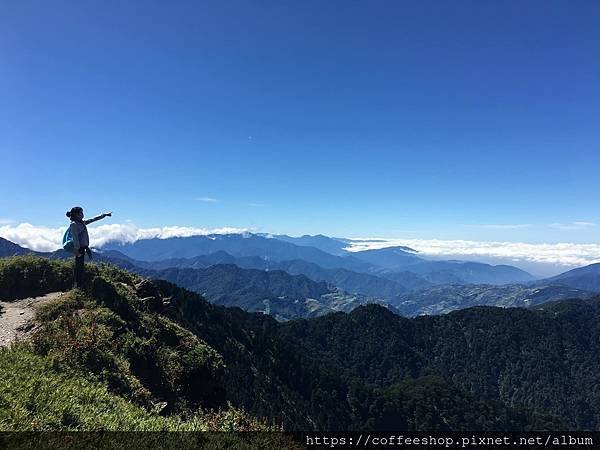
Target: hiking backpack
{"x":68,"y":241}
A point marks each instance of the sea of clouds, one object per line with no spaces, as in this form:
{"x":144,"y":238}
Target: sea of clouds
{"x":562,"y":254}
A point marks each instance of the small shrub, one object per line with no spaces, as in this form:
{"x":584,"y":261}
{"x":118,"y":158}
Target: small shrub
{"x":66,"y":303}
{"x":32,"y":276}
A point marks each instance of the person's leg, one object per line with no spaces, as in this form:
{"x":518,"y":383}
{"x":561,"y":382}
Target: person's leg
{"x":78,"y":271}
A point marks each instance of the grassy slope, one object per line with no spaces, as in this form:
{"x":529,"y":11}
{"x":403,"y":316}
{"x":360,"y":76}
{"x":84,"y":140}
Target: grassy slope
{"x":39,"y":394}
{"x":102,"y":359}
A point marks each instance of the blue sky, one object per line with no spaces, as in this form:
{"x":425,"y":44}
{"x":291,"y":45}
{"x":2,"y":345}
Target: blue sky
{"x":448,"y":120}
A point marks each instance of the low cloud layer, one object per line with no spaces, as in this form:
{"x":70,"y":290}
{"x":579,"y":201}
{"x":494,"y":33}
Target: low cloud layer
{"x":45,"y":239}
{"x":516,"y":226}
{"x":563,"y":254}
{"x":573,"y":226}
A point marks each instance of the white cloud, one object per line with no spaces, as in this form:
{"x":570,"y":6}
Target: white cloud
{"x":206,"y":199}
{"x":37,"y":238}
{"x":45,"y":239}
{"x":6,"y":221}
{"x":257,"y":205}
{"x":572,"y":226}
{"x":565,"y":254}
{"x":508,"y":226}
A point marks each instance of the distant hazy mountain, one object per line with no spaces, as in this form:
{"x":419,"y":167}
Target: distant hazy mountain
{"x":465,"y":272}
{"x":446,"y":298}
{"x":587,"y":278}
{"x":8,"y":248}
{"x":441,"y":272}
{"x":347,"y":280}
{"x":201,"y":261}
{"x":393,"y":258}
{"x":325,"y":243}
{"x":443,"y":277}
{"x":282,"y":295}
{"x":473,"y":272}
{"x":238,"y":245}
{"x":411,"y":281}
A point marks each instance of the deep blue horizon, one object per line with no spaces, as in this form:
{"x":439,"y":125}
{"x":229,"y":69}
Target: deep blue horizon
{"x":427,"y":120}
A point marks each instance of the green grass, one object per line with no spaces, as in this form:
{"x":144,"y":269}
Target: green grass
{"x":101,"y":360}
{"x":39,"y":394}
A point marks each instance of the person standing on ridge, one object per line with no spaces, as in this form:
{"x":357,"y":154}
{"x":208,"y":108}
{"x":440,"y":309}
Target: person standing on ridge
{"x":81,"y":240}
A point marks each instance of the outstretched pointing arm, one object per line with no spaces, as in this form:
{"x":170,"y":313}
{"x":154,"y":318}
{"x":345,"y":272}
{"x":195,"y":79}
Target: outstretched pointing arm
{"x":94,"y":219}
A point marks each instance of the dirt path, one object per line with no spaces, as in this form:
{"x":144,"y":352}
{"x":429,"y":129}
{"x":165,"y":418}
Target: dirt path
{"x":16,"y":318}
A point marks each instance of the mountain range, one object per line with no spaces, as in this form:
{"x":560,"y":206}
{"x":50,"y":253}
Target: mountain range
{"x":350,"y":281}
{"x":238,"y":245}
{"x":263,"y":282}
{"x":376,"y":262}
{"x":429,"y":299}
